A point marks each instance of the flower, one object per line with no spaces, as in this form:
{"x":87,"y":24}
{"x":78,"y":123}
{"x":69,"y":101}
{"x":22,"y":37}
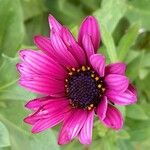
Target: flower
{"x":74,"y":81}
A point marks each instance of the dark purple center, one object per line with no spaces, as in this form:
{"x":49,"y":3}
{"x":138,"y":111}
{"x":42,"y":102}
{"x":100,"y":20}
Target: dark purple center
{"x":85,"y":89}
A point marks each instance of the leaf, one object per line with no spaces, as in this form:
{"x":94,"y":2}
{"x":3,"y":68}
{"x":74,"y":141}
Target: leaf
{"x":123,"y":134}
{"x":136,"y":112}
{"x":32,"y":8}
{"x":110,"y":13}
{"x":9,"y":88}
{"x":139,"y":130}
{"x":8,"y":73}
{"x":4,"y":136}
{"x":109,"y":43}
{"x":11,"y":26}
{"x":124,"y":145}
{"x":134,"y":67}
{"x":127,"y":41}
{"x":21,"y":139}
{"x":138,"y":11}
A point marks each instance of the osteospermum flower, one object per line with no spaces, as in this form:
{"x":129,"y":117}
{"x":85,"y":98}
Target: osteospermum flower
{"x":74,"y":81}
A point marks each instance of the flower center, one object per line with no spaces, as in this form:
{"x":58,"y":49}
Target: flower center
{"x":84,"y":88}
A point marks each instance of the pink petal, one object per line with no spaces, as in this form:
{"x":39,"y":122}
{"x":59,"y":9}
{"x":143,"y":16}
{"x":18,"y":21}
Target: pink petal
{"x":90,"y":26}
{"x":117,"y":82}
{"x":24,"y":70}
{"x":43,"y":85}
{"x":113,"y":118}
{"x":47,"y":109}
{"x":102,"y":108}
{"x":44,"y":44}
{"x":54,"y":24}
{"x":98,"y":63}
{"x":73,"y":47}
{"x":66,"y":58}
{"x":133,"y":90}
{"x":87,"y":45}
{"x":125,"y":98}
{"x":38,"y":102}
{"x":41,"y":64}
{"x":116,"y":68}
{"x":72,"y":125}
{"x":49,"y":122}
{"x":85,"y":136}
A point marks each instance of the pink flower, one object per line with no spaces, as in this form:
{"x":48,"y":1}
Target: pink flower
{"x":75,"y":83}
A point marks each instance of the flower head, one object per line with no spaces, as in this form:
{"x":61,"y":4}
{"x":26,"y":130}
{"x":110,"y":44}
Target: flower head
{"x":75,"y":83}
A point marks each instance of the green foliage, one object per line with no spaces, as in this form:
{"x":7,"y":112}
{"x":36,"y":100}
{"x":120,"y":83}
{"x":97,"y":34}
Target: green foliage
{"x":11,"y":26}
{"x":125,"y":33}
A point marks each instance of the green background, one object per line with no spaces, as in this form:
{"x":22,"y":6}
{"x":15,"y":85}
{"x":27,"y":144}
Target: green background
{"x":125,"y":30}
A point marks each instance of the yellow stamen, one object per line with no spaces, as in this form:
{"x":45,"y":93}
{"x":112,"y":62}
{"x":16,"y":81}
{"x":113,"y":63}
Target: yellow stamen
{"x":103,"y":89}
{"x":70,"y":73}
{"x":78,"y":70}
{"x":99,"y":85}
{"x":88,"y":68}
{"x":73,"y":69}
{"x":91,"y":105}
{"x":89,"y":108}
{"x":83,"y":68}
{"x":92,"y":75}
{"x":96,"y":78}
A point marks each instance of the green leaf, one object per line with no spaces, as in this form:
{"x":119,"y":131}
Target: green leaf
{"x":9,"y":88}
{"x":22,"y":140}
{"x":32,"y":8}
{"x":4,"y":136}
{"x":124,"y":145}
{"x":139,"y":130}
{"x":109,"y":43}
{"x":138,"y":11}
{"x":127,"y":41}
{"x":11,"y":26}
{"x":110,"y":13}
{"x":136,"y":112}
{"x":8,"y":71}
{"x":123,"y":134}
{"x":134,"y":66}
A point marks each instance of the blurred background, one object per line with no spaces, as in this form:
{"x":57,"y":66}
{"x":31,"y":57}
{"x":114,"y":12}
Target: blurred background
{"x":125,"y":27}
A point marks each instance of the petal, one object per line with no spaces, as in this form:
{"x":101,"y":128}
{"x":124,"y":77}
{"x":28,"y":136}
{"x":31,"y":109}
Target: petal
{"x":85,"y":136}
{"x":73,"y":47}
{"x":72,"y":125}
{"x":117,"y":82}
{"x":90,"y":26}
{"x":48,"y":108}
{"x":113,"y":118}
{"x":116,"y":68}
{"x":87,"y":45}
{"x":38,"y":102}
{"x":66,"y":58}
{"x":98,"y":63}
{"x":133,"y":90}
{"x":54,"y":24}
{"x":43,"y":85}
{"x":44,"y":44}
{"x":126,"y":98}
{"x":24,"y":70}
{"x":102,"y":108}
{"x":41,"y":64}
